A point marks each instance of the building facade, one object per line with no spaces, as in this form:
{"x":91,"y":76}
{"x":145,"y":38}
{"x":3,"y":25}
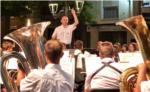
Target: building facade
{"x":107,"y":13}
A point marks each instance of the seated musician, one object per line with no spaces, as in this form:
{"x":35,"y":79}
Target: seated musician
{"x":79,"y":66}
{"x":107,"y":77}
{"x":78,"y":46}
{"x":52,"y":78}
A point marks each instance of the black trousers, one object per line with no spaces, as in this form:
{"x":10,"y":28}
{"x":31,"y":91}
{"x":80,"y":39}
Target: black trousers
{"x":68,"y":46}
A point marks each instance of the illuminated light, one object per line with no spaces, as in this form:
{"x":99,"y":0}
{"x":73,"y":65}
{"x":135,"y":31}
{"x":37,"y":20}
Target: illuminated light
{"x":53,"y":8}
{"x":79,"y":5}
{"x":28,"y":22}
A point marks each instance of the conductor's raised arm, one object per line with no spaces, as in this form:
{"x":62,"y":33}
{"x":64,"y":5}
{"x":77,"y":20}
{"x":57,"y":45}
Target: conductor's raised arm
{"x":76,"y":22}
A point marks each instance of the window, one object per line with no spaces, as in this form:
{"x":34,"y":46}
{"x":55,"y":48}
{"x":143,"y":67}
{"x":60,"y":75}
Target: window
{"x":111,"y":12}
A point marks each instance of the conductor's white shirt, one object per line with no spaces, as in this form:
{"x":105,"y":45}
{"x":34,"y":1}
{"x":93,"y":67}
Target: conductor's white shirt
{"x":64,"y":34}
{"x":50,"y":79}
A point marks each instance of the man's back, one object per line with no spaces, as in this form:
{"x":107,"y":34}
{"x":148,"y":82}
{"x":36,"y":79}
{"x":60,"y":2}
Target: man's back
{"x":107,"y":78}
{"x":51,"y":79}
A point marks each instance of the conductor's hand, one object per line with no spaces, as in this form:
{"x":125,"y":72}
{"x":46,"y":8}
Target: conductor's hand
{"x":73,"y":11}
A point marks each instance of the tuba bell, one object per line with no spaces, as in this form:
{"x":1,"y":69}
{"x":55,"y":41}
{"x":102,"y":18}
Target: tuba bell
{"x":138,"y":28}
{"x":31,"y":41}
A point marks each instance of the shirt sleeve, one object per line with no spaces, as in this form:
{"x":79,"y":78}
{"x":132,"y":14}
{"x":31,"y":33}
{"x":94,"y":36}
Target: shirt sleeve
{"x":65,"y":87}
{"x":29,"y":82}
{"x":73,"y":27}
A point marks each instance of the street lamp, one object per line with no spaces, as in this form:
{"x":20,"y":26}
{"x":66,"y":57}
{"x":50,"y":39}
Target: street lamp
{"x":28,"y":22}
{"x":53,"y":6}
{"x":79,"y":5}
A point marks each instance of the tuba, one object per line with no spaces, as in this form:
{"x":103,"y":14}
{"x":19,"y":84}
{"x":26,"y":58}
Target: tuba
{"x":138,"y":28}
{"x":31,"y":41}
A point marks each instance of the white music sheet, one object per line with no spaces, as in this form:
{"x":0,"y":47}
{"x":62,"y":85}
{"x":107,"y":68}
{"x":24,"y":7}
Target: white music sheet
{"x":145,"y":86}
{"x":12,"y":63}
{"x":67,"y":64}
{"x":92,"y":64}
{"x":131,"y":59}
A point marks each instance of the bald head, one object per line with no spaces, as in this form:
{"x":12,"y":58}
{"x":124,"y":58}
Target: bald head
{"x":106,"y":49}
{"x":53,"y":51}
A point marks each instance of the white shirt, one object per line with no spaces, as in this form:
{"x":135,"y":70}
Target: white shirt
{"x":79,"y":59}
{"x":145,"y":86}
{"x":50,"y":79}
{"x":107,"y":78}
{"x":64,"y":34}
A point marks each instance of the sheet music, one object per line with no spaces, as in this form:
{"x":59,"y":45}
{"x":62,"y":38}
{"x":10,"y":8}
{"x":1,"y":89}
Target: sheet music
{"x":136,"y":59}
{"x":67,"y":64}
{"x":125,"y":57}
{"x":145,"y":86}
{"x":132,"y":59}
{"x":12,"y":63}
{"x":92,"y":64}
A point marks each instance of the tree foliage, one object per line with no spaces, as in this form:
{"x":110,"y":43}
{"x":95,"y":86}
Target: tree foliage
{"x":14,"y":8}
{"x":40,"y":9}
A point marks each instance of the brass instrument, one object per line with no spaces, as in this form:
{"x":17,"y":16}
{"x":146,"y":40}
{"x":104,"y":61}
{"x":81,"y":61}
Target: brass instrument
{"x":31,"y":41}
{"x":8,"y":82}
{"x":138,"y":28}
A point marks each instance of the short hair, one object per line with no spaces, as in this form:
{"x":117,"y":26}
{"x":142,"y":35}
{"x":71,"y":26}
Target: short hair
{"x":134,"y":46}
{"x":7,"y":44}
{"x":78,"y":44}
{"x":98,"y":44}
{"x":65,"y":17}
{"x":106,"y":49}
{"x":53,"y":50}
{"x":125,"y":46}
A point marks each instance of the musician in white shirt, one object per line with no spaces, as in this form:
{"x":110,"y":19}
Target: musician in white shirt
{"x":107,"y":76}
{"x":52,"y":78}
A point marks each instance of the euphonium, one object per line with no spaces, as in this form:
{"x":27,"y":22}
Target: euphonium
{"x":138,"y":28}
{"x":30,"y":39}
{"x":7,"y":80}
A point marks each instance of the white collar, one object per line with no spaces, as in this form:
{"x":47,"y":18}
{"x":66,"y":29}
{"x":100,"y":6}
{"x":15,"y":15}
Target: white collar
{"x":107,"y":59}
{"x":51,"y":66}
{"x":77,"y":51}
{"x":63,"y":26}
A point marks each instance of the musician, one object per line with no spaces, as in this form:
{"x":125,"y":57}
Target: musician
{"x":7,"y":46}
{"x":97,"y":47}
{"x":124,"y":48}
{"x":52,"y":78}
{"x":78,"y":46}
{"x":63,"y":33}
{"x":132,"y":47}
{"x":79,"y":65}
{"x":108,"y":75}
